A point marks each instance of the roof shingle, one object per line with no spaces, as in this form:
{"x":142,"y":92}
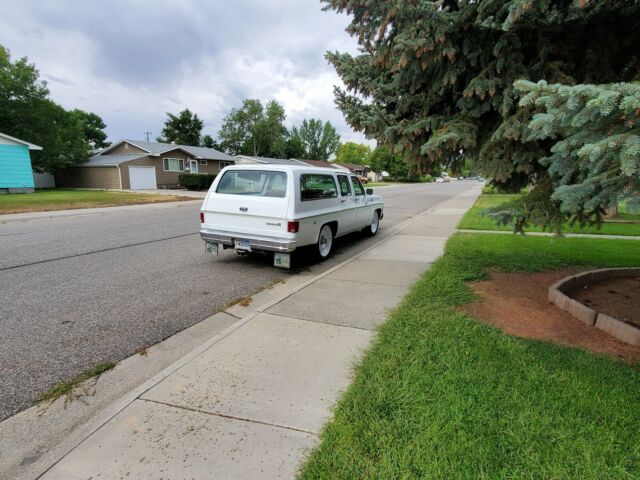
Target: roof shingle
{"x":115,"y":159}
{"x":156,"y":148}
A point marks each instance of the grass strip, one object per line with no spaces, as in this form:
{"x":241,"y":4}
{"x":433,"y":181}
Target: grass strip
{"x":474,"y":220}
{"x":440,"y":395}
{"x":380,"y":184}
{"x":63,"y":199}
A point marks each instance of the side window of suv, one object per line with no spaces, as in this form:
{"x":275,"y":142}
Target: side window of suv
{"x":357,"y":186}
{"x":345,"y":186}
{"x":317,"y":186}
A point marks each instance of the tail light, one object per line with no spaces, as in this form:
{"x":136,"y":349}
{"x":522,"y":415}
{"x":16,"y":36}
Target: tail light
{"x":201,"y":217}
{"x":293,"y":227}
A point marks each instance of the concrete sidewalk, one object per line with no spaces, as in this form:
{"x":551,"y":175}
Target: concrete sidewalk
{"x":251,"y":401}
{"x":549,"y":234}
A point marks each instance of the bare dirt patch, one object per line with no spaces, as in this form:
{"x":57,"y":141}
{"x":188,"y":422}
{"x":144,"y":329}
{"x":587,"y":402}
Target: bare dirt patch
{"x":517,"y":304}
{"x":617,"y":297}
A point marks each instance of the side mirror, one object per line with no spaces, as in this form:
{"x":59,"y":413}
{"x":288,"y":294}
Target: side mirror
{"x":369,"y":191}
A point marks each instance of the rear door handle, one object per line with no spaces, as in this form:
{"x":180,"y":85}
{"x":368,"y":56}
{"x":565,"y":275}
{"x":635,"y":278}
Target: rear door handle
{"x":243,"y":209}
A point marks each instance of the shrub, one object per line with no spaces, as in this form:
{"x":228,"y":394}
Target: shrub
{"x":494,"y":190}
{"x":427,"y":179}
{"x":196,"y":181}
{"x":489,"y":190}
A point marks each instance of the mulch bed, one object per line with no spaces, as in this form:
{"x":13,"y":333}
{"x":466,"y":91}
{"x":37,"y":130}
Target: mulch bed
{"x":517,"y":304}
{"x":617,"y":297}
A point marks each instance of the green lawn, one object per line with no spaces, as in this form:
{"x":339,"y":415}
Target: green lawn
{"x":62,"y":199}
{"x":379,"y":184}
{"x":442,"y":396}
{"x":473,"y":220}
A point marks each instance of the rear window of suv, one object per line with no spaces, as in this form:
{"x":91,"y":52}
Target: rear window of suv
{"x":259,"y":183}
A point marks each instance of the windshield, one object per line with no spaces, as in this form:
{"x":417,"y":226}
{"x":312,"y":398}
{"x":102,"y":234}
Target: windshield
{"x":253,"y":182}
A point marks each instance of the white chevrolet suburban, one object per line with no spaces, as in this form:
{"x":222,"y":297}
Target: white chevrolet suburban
{"x":280,"y":208}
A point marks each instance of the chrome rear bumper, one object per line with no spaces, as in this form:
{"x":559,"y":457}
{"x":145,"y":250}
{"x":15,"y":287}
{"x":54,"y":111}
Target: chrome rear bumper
{"x":256,"y":242}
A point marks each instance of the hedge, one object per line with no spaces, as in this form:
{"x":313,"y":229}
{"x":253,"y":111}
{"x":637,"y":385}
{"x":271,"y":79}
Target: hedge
{"x":196,"y":181}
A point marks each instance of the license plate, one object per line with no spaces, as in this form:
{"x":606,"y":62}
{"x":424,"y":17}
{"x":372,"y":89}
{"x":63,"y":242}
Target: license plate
{"x":282,"y":260}
{"x":242,"y":245}
{"x":211,"y":248}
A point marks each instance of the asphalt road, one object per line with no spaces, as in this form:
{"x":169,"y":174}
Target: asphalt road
{"x":80,"y":290}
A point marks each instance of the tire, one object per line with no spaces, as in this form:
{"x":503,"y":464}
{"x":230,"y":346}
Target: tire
{"x":373,"y":228}
{"x":325,"y":242}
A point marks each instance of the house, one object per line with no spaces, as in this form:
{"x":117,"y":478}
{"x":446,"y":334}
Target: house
{"x":140,"y":165}
{"x":245,"y":159}
{"x":360,"y":170}
{"x":318,"y":163}
{"x":16,"y":174}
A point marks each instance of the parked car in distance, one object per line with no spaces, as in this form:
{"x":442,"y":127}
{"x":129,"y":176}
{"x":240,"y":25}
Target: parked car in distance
{"x":281,"y":208}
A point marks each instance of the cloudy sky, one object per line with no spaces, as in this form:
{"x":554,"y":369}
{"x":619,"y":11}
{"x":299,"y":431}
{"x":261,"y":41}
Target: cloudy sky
{"x":130,"y":61}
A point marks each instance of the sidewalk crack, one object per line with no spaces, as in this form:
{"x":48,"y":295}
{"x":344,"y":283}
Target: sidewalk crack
{"x":230,"y":417}
{"x":321,"y":322}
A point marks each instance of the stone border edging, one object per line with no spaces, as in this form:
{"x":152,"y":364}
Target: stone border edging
{"x":558,"y":296}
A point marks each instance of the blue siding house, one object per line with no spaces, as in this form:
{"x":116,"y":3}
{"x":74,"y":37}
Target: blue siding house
{"x":16,"y":174}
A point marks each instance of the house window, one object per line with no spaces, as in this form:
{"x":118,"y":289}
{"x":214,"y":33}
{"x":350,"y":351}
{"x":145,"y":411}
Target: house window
{"x":203,"y":162}
{"x":173,"y":164}
{"x":224,"y":164}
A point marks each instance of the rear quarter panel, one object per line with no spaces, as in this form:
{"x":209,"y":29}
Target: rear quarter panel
{"x":313,"y":214}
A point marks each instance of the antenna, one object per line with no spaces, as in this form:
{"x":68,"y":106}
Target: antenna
{"x":147,"y":134}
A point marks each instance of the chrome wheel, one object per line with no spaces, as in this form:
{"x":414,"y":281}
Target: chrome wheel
{"x":373,"y":227}
{"x":325,"y":241}
{"x":375,"y":223}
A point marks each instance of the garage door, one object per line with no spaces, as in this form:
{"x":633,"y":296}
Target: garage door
{"x":142,"y":178}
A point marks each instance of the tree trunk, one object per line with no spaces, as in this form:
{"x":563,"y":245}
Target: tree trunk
{"x":611,"y":212}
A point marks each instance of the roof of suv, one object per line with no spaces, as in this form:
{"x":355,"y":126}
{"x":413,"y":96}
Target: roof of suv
{"x":285,"y":168}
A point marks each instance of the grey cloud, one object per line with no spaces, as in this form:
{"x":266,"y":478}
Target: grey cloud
{"x":53,"y":78}
{"x":135,"y":59}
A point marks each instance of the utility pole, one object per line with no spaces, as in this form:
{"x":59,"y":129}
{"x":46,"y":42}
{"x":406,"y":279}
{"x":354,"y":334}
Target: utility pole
{"x":147,"y":134}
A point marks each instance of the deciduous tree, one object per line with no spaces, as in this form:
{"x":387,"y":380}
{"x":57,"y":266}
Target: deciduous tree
{"x":93,"y":127}
{"x":182,"y":129}
{"x":352,"y":152}
{"x":209,"y":142}
{"x":382,"y":159}
{"x":313,"y":140}
{"x":254,"y":129}
{"x":26,"y":112}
